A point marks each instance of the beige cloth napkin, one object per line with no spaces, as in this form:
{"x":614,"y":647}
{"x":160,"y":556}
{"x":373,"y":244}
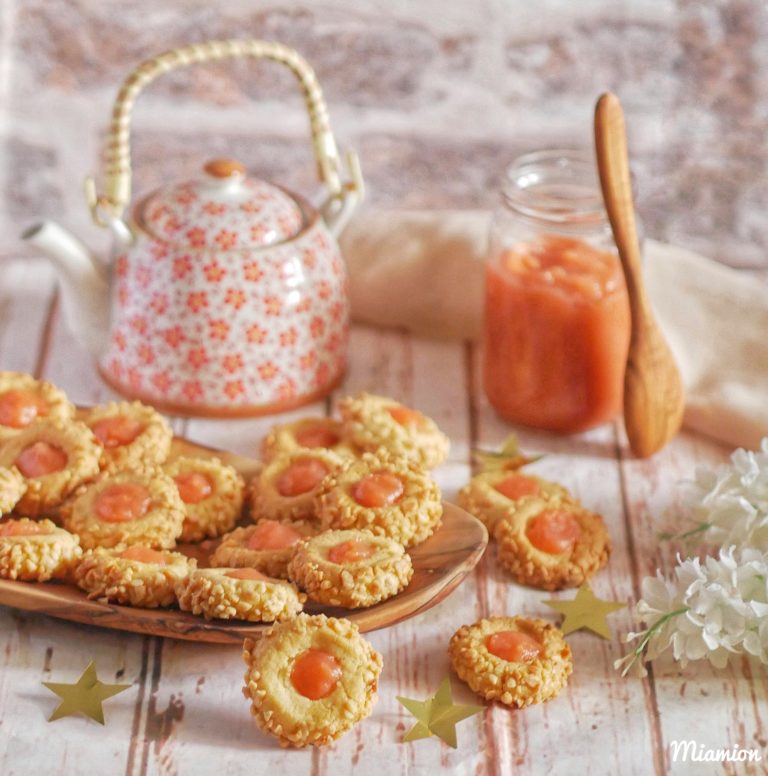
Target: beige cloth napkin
{"x":423,"y":271}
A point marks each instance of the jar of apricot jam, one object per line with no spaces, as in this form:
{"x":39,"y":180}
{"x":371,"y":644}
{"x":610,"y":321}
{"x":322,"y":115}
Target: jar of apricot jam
{"x":557,"y":322}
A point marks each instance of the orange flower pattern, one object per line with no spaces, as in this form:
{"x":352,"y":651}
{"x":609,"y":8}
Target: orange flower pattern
{"x":197,"y":300}
{"x":192,"y":326}
{"x":214,"y":272}
{"x":218,"y":329}
{"x":234,"y":298}
{"x":252,"y":271}
{"x":197,"y":358}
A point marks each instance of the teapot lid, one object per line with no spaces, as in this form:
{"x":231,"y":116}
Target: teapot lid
{"x":223,"y":210}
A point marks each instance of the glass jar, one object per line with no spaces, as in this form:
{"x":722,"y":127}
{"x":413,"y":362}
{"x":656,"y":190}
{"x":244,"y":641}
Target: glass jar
{"x":557,"y":322}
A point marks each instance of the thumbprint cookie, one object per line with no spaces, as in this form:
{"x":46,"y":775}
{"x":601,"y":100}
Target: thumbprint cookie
{"x":131,"y":435}
{"x":374,"y":422}
{"x":212,"y":493}
{"x":385,"y":495}
{"x":12,"y":487}
{"x":491,"y":496}
{"x":350,"y":568}
{"x":515,"y":660}
{"x":306,"y":434}
{"x":310,"y":679}
{"x":286,"y":486}
{"x":238,"y":594}
{"x":36,"y":550}
{"x":23,"y":400}
{"x":54,"y":459}
{"x":133,"y":576}
{"x":552,"y":545}
{"x":266,"y":547}
{"x":131,"y":507}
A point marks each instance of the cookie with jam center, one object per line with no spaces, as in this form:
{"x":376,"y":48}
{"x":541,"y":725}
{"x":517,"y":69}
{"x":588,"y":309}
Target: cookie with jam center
{"x":310,"y":679}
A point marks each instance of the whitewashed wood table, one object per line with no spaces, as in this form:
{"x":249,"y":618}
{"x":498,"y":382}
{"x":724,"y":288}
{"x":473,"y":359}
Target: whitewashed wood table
{"x":185,"y":713}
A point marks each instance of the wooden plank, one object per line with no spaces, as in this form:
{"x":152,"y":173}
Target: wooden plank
{"x":185,"y":713}
{"x":36,"y":648}
{"x":414,"y":651}
{"x":195,"y":701}
{"x":597,"y":705}
{"x":718,"y":709}
{"x":429,"y":376}
{"x":26,"y":301}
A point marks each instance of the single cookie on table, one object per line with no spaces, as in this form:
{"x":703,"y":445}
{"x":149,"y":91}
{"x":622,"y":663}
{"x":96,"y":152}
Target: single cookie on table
{"x":374,"y":422}
{"x":212,"y":493}
{"x":23,"y":400}
{"x":353,"y":569}
{"x":131,"y":435}
{"x":266,"y":546}
{"x":286,"y":486}
{"x":131,"y":507}
{"x":515,"y":660}
{"x":310,"y":679}
{"x":36,"y":550}
{"x":306,"y":434}
{"x":383,"y":494}
{"x":238,"y":594}
{"x":132,"y":576}
{"x":492,"y":495}
{"x":12,"y":487}
{"x":552,"y":545}
{"x":54,"y":458}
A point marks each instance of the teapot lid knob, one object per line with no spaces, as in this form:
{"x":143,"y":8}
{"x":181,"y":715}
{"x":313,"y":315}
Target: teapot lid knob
{"x":224,"y":168}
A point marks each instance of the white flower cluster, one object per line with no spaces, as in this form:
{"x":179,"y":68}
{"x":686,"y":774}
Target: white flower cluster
{"x":717,"y":607}
{"x":731,"y":503}
{"x":709,"y":609}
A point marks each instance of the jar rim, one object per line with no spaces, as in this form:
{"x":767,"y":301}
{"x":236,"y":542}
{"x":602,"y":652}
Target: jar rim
{"x":557,"y":186}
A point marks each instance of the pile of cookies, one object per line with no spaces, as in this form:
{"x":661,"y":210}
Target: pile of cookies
{"x":338,"y":502}
{"x":331,"y":513}
{"x":332,"y":510}
{"x":546,"y":538}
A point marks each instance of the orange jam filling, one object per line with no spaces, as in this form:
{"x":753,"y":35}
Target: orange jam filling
{"x":378,"y":490}
{"x":351,"y":551}
{"x":517,"y":486}
{"x":193,"y":487}
{"x":302,"y":476}
{"x":19,"y":408}
{"x":19,"y":528}
{"x":514,"y":646}
{"x":144,"y":555}
{"x":317,"y":436}
{"x":246,"y":574}
{"x":116,"y":431}
{"x":315,"y":674}
{"x":406,"y":417}
{"x":41,"y":458}
{"x":271,"y":535}
{"x":557,"y":329}
{"x":123,"y":502}
{"x":553,"y":531}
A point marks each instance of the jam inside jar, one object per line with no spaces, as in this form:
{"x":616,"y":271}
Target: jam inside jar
{"x":557,"y":322}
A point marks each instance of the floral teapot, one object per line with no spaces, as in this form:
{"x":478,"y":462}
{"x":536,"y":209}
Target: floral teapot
{"x":225,"y":296}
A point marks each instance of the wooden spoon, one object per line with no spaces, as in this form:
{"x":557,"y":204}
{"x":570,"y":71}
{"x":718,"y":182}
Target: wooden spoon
{"x":654,"y":399}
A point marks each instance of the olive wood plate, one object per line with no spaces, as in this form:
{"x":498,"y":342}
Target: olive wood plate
{"x":439,"y":564}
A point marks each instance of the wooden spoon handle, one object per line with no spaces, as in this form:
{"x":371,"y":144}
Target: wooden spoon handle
{"x":616,"y":183}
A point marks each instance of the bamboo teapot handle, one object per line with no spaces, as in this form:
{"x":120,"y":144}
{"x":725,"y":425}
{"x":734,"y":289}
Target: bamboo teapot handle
{"x":109,"y":206}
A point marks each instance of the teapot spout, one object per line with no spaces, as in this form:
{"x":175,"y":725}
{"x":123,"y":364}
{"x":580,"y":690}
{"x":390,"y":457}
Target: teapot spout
{"x":84,"y":285}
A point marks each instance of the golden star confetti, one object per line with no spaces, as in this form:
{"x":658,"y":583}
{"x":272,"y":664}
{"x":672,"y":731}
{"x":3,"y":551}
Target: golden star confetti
{"x":84,"y":696}
{"x":438,"y":715}
{"x":586,"y":611}
{"x":508,"y":458}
